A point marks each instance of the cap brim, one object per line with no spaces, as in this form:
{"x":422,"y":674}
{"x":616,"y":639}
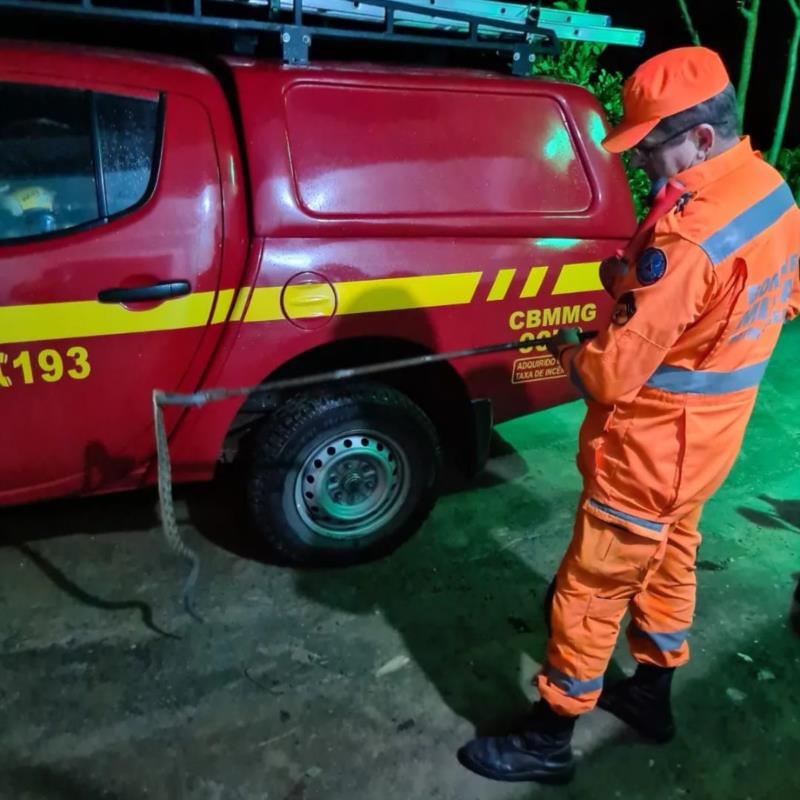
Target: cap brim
{"x":627,"y":135}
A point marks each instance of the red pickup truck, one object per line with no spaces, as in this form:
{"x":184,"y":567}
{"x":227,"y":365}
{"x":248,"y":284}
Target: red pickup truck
{"x":166,"y":225}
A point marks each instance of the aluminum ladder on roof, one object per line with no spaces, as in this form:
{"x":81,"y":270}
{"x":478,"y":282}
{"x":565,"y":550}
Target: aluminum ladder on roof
{"x":567,"y":25}
{"x":518,"y":30}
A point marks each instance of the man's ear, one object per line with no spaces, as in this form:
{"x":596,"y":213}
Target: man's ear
{"x":704,"y":137}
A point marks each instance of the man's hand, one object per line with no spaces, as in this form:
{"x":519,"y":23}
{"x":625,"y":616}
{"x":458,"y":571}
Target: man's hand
{"x":564,"y":337}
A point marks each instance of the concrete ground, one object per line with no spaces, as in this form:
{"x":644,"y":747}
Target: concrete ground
{"x":362,"y":683}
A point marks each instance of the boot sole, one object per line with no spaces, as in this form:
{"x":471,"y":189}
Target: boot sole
{"x":621,"y":713}
{"x":538,"y":776}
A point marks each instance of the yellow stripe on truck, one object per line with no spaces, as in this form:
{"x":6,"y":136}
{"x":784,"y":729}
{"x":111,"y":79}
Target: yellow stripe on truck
{"x":84,"y":318}
{"x":364,"y":297}
{"x":400,"y":294}
{"x":501,"y":284}
{"x":222,"y":306}
{"x":578,"y":278}
{"x":265,"y":305}
{"x":533,"y":282}
{"x":240,"y":304}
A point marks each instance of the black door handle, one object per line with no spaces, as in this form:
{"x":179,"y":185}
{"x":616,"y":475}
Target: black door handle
{"x":141,"y":294}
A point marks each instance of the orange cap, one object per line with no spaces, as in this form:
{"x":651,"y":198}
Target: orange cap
{"x":665,"y":85}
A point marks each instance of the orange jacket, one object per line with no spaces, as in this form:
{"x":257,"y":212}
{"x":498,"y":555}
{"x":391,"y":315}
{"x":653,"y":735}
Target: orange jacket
{"x":671,"y":383}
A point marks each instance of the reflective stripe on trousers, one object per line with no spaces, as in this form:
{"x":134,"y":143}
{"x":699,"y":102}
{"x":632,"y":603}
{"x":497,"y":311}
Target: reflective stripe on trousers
{"x":665,"y":642}
{"x":572,"y":686}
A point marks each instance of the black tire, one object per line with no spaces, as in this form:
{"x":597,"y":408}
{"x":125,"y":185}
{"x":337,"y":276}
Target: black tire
{"x":393,"y":443}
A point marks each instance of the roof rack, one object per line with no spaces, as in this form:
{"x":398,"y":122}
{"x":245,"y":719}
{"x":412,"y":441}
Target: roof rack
{"x":521,"y":31}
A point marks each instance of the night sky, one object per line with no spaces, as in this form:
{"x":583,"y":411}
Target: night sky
{"x":722,"y":28}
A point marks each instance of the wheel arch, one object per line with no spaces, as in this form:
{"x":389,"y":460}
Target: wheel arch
{"x":438,"y":389}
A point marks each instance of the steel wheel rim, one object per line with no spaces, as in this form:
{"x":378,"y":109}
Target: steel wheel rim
{"x":352,"y":484}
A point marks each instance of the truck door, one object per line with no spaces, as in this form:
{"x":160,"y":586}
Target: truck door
{"x":110,"y":246}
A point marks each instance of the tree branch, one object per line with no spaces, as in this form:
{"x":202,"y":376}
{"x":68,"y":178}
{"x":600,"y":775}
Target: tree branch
{"x":687,"y":20}
{"x":751,"y":15}
{"x":788,"y":86}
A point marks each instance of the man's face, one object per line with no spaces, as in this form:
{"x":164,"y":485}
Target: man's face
{"x":662,"y":156}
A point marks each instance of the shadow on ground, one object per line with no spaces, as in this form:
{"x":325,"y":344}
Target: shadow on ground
{"x":26,"y":525}
{"x":476,"y":616}
{"x":49,"y":783}
{"x":73,"y":590}
{"x":93,"y":516}
{"x":783,"y":515}
{"x":466,"y":624}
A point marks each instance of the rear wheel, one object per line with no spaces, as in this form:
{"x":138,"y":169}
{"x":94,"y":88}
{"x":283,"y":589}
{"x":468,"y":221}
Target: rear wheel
{"x":343,"y":475}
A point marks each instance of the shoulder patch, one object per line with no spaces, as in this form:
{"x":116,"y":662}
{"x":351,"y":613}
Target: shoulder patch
{"x":651,"y":266}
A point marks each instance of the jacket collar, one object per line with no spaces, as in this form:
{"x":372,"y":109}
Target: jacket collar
{"x":715,"y":168}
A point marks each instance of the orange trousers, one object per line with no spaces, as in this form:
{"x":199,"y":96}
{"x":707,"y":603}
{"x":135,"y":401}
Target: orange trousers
{"x":607,"y":571}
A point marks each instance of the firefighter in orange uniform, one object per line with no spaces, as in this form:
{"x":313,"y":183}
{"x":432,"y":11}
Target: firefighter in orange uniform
{"x":701,"y":294}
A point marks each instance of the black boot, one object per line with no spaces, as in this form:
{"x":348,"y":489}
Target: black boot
{"x":643,"y":701}
{"x":541,"y":753}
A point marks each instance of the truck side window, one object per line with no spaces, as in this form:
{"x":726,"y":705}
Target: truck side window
{"x":47,"y":176}
{"x":128,"y":137}
{"x":59,"y":170}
